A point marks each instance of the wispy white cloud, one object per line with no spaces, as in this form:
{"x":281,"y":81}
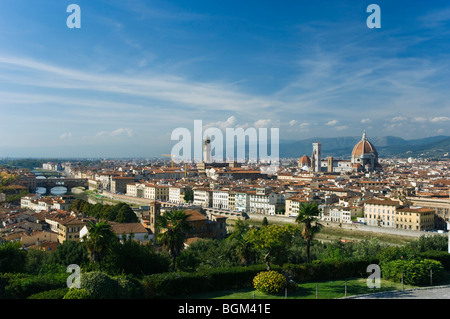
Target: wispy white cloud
{"x":435,"y":18}
{"x":332,"y":122}
{"x":120,"y":131}
{"x":160,"y":87}
{"x":440,"y":119}
{"x":228,"y":123}
{"x":398,"y":119}
{"x":65,"y":136}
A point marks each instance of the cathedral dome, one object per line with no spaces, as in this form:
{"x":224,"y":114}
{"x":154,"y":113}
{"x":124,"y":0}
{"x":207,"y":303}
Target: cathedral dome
{"x":304,"y":161}
{"x":363,"y":147}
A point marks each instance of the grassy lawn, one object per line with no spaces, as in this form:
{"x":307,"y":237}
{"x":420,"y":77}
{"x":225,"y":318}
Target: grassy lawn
{"x":326,"y":290}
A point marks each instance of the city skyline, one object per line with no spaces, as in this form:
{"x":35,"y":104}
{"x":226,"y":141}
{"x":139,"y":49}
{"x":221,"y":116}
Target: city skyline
{"x":136,"y":70}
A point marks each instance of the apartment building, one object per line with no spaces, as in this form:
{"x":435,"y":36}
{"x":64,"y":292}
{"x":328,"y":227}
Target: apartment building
{"x":441,"y":206}
{"x":203,"y":197}
{"x":415,"y":218}
{"x":69,"y":229}
{"x":119,"y":184}
{"x":93,"y":184}
{"x":205,"y":226}
{"x":264,"y":201}
{"x":36,"y":203}
{"x":136,"y":190}
{"x":165,"y":173}
{"x":220,"y":199}
{"x":378,"y":212}
{"x":176,"y":194}
{"x":241,"y":201}
{"x":292,"y":205}
{"x":389,"y":213}
{"x":342,"y":214}
{"x":156,"y":192}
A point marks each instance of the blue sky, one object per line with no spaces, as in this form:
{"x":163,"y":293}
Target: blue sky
{"x":136,"y":70}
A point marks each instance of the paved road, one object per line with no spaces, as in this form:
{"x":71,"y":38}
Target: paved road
{"x":441,"y":292}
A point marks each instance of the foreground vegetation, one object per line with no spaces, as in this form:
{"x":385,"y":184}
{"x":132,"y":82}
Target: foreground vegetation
{"x":128,"y":269}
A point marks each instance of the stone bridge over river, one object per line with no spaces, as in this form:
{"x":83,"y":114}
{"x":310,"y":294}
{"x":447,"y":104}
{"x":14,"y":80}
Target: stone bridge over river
{"x":69,"y":183}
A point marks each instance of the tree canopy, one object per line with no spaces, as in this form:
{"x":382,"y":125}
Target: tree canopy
{"x":173,"y":228}
{"x":119,"y":213}
{"x":307,"y":218}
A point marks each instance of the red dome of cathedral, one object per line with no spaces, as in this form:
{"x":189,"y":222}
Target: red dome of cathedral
{"x":304,"y":160}
{"x":363,"y":147}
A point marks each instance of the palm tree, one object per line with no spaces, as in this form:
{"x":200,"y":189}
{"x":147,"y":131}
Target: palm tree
{"x":307,"y":217}
{"x":174,"y":226}
{"x":99,"y":240}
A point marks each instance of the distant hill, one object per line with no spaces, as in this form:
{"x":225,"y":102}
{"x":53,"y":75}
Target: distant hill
{"x":340,"y":147}
{"x":387,"y":146}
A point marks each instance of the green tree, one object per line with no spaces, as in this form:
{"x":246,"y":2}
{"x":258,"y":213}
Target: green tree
{"x":270,"y":239}
{"x":188,"y":195}
{"x":125,"y":214}
{"x":240,"y":228}
{"x":12,"y":258}
{"x":307,"y":219}
{"x":367,"y":248}
{"x":427,"y":243}
{"x":99,"y":240}
{"x":36,"y":260}
{"x":131,"y":257}
{"x":173,"y":227}
{"x":70,"y":252}
{"x":244,"y":248}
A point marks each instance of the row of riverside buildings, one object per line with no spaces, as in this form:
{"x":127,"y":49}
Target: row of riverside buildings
{"x":408,"y":193}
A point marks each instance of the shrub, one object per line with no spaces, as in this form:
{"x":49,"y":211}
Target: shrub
{"x":395,"y":253}
{"x":75,"y":293}
{"x":50,"y":294}
{"x":415,"y":271}
{"x":99,"y":285}
{"x":22,"y":286}
{"x":441,"y":256}
{"x":128,"y":288}
{"x":12,"y":258}
{"x":269,"y":282}
{"x":426,"y":243}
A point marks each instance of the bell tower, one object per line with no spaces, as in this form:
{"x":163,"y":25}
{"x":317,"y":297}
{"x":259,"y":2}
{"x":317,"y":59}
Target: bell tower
{"x":316,"y":157}
{"x":207,"y":150}
{"x":155,"y":211}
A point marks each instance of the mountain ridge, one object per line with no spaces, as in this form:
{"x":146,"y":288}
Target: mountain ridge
{"x":386,"y":146}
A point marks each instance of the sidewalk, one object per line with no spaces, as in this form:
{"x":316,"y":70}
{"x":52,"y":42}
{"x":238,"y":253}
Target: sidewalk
{"x":438,"y":292}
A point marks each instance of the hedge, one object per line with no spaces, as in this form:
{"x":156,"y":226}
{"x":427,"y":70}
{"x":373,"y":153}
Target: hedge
{"x":78,"y":293}
{"x":21,"y":286}
{"x":167,"y":285}
{"x":441,"y":256}
{"x":50,"y":294}
{"x":174,"y":284}
{"x":413,"y":272}
{"x":320,"y":270}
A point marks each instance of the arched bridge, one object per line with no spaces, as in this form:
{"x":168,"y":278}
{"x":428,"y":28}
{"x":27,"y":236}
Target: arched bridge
{"x":69,"y":183}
